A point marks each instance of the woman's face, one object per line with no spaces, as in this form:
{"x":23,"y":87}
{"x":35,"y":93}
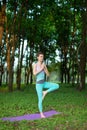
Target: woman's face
{"x":40,"y":57}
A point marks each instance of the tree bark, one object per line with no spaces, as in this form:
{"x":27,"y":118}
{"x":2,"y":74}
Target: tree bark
{"x":30,"y":65}
{"x":20,"y":67}
{"x":83,"y":48}
{"x":10,"y":62}
{"x":2,"y":19}
{"x":82,"y":66}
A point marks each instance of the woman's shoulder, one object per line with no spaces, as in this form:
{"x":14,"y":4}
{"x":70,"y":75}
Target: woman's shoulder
{"x":35,"y":64}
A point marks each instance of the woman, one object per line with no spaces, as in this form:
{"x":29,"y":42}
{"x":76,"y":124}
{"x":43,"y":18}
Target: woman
{"x":39,"y":71}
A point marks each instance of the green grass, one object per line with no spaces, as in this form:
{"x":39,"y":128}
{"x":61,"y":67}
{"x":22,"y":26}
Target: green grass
{"x":67,"y":99}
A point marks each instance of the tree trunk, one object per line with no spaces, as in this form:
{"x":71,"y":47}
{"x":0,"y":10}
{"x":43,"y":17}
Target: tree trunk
{"x":6,"y":77}
{"x":27,"y":69}
{"x":2,"y":22}
{"x":1,"y":72}
{"x":10,"y":71}
{"x":20,"y":68}
{"x":9,"y":67}
{"x":10,"y":85}
{"x":11,"y":45}
{"x":2,"y":19}
{"x":10,"y":58}
{"x":30,"y":65}
{"x":61,"y":69}
{"x":82,"y":66}
{"x":68,"y":76}
{"x":83,"y":48}
{"x":11,"y":64}
{"x":30,"y":62}
{"x":28,"y":74}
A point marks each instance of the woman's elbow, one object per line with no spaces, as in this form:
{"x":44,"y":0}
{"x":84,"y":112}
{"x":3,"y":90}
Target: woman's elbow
{"x":34,"y":73}
{"x":48,"y":74}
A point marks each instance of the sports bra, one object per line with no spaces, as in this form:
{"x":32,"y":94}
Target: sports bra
{"x":40,"y":77}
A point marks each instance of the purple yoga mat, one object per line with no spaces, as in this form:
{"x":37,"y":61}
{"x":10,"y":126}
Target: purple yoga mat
{"x":31,"y":116}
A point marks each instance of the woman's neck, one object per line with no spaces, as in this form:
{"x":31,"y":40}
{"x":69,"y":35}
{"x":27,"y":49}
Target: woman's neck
{"x":40,"y":62}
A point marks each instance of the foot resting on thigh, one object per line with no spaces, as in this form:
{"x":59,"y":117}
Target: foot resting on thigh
{"x":44,"y":94}
{"x":42,"y":115}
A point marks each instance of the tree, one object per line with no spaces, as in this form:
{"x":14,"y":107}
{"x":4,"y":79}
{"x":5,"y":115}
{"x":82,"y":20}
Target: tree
{"x":83,"y":45}
{"x":2,"y":29}
{"x":11,"y":40}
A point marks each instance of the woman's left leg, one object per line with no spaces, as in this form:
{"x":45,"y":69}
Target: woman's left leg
{"x":50,"y":87}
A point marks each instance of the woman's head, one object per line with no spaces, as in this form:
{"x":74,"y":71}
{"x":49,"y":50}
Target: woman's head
{"x":40,"y":56}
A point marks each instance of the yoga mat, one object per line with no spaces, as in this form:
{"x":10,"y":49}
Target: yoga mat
{"x":31,"y":116}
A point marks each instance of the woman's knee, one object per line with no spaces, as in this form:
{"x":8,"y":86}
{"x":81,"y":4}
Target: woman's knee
{"x":57,"y":86}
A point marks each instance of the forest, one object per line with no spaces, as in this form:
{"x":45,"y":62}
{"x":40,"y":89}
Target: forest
{"x":58,"y":28}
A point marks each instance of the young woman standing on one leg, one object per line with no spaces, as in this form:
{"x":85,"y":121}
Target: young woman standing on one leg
{"x":40,"y":70}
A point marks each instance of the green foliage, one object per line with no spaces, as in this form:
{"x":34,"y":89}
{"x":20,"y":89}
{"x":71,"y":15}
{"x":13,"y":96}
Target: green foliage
{"x":67,"y":100}
{"x":47,"y":26}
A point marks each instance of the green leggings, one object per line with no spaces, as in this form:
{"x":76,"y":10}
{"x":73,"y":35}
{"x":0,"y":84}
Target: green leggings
{"x":39,"y":88}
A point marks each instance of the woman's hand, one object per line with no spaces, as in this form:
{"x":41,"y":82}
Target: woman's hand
{"x":35,"y":71}
{"x":42,"y":66}
{"x":46,"y":70}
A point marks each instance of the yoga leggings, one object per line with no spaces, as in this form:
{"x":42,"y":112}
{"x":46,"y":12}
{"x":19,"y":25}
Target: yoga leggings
{"x":39,"y":88}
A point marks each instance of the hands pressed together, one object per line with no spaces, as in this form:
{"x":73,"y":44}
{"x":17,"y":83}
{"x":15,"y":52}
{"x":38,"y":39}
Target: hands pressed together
{"x":43,"y":67}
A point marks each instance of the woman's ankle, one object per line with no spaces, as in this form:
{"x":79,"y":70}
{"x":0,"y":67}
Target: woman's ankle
{"x":44,"y":94}
{"x":42,"y":115}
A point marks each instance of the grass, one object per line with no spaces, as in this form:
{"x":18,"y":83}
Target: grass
{"x":67,"y":99}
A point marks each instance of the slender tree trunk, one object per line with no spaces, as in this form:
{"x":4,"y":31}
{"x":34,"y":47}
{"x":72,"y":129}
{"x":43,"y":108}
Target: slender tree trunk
{"x":11,"y":80}
{"x":65,"y":63}
{"x":82,"y":69}
{"x":11,"y":45}
{"x":68,"y":75}
{"x":0,"y":76}
{"x":62,"y":68}
{"x":61,"y":77}
{"x":20,"y":68}
{"x":10,"y":62}
{"x":9,"y":66}
{"x":30,"y":65}
{"x":72,"y":60}
{"x":25,"y":76}
{"x":2,"y":22}
{"x":30,"y":62}
{"x":28,"y":74}
{"x":27,"y":69}
{"x":17,"y":76}
{"x":62,"y":73}
{"x":2,"y":19}
{"x":1,"y":72}
{"x":6,"y":77}
{"x":83,"y":49}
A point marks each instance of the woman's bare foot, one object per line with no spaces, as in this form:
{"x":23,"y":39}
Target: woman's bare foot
{"x":44,"y":94}
{"x":42,"y":115}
